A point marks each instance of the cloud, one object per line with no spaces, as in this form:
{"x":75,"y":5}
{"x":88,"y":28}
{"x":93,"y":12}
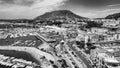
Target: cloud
{"x":113,"y":5}
{"x":101,"y":13}
{"x":46,"y":3}
{"x":104,"y":13}
{"x":89,"y":3}
{"x":17,"y":2}
{"x":28,"y":8}
{"x":89,"y":14}
{"x":109,"y":10}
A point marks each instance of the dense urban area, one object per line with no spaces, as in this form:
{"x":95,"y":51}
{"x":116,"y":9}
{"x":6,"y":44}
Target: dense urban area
{"x":60,"y":39}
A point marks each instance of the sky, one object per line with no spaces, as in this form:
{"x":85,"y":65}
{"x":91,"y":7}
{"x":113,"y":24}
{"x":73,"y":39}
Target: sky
{"x":29,"y":9}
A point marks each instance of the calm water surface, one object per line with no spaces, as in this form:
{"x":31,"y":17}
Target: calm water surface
{"x":19,"y":55}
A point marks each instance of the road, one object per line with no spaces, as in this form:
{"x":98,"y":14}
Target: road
{"x":39,"y":36}
{"x":86,"y":62}
{"x":103,"y":42}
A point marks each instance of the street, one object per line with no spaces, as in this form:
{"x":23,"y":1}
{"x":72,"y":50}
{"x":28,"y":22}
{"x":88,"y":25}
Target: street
{"x":87,"y":63}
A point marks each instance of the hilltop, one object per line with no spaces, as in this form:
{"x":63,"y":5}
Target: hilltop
{"x":113,"y":16}
{"x":58,"y":15}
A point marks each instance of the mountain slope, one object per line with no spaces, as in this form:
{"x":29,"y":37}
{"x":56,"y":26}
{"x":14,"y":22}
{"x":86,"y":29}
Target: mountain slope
{"x":113,"y":16}
{"x":59,"y":14}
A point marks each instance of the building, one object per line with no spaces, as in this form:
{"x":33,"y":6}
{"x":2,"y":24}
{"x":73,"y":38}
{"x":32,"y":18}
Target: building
{"x":111,"y":23}
{"x":101,"y":54}
{"x":99,"y":30}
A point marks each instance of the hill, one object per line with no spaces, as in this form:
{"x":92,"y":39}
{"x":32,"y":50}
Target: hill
{"x":58,"y":15}
{"x":113,"y":16}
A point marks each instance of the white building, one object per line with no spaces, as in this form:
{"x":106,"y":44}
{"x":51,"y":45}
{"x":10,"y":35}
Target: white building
{"x":106,"y":56}
{"x":111,"y":23}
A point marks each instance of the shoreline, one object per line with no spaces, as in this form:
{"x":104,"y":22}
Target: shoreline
{"x":19,"y":55}
{"x":34,"y":52}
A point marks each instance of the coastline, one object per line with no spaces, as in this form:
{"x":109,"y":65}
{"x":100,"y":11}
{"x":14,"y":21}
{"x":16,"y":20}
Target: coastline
{"x":34,"y":52}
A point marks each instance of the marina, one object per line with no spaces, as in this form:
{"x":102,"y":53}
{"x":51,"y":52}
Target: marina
{"x":19,"y":55}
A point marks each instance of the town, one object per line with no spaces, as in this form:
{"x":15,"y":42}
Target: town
{"x":59,"y":33}
{"x":78,"y":43}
